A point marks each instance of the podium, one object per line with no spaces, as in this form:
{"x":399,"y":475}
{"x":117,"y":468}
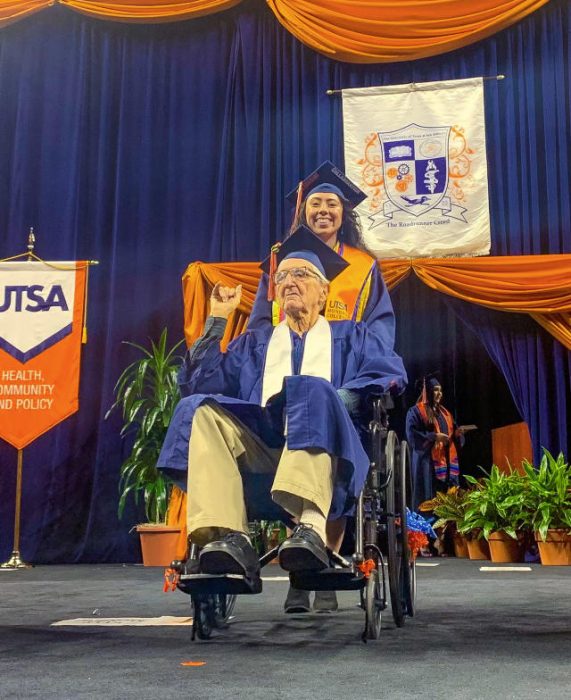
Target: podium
{"x":511,"y":445}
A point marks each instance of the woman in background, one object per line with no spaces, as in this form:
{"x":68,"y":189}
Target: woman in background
{"x":434,"y":439}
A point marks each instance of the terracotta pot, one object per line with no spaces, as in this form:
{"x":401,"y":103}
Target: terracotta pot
{"x":460,"y":546}
{"x":478,"y":548}
{"x":556,"y":550}
{"x":158,"y":544}
{"x":503,"y":548}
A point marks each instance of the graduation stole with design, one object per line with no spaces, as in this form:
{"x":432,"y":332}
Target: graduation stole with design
{"x":438,"y":452}
{"x":316,"y":362}
{"x":348,"y":292}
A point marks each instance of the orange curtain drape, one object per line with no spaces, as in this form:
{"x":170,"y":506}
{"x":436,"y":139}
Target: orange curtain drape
{"x":355,"y":31}
{"x":538,"y":285}
{"x":197,"y":283}
{"x":149,"y":10}
{"x":386,"y":31}
{"x":14,"y":10}
{"x":119,"y":10}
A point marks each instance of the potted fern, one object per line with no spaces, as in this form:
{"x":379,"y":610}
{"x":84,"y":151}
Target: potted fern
{"x":147,"y":393}
{"x":548,"y":507}
{"x":495,"y":508}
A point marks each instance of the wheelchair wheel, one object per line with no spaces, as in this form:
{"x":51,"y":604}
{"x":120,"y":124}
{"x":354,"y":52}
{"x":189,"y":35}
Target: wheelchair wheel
{"x":373,"y":604}
{"x":223,"y":608}
{"x":403,"y":499}
{"x":204,"y":615}
{"x":394,"y":532}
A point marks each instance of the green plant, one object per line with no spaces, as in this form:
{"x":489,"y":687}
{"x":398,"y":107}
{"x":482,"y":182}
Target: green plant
{"x":147,"y":393}
{"x":496,"y":502}
{"x":262,"y":534}
{"x":548,"y":494}
{"x":448,"y":506}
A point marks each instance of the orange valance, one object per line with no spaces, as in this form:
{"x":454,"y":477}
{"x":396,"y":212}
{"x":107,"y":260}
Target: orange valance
{"x":539,"y":285}
{"x":355,"y":31}
{"x":14,"y":10}
{"x":387,"y":31}
{"x":149,"y":10}
{"x":119,"y":10}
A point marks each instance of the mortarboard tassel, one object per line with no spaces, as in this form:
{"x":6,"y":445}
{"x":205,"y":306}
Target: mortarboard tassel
{"x":424,"y":396}
{"x":272,"y":272}
{"x":297,"y":207}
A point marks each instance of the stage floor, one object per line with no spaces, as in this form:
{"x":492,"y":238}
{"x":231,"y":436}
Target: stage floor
{"x":477,"y":634}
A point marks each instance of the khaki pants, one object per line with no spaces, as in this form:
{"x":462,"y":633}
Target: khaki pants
{"x":221,"y":447}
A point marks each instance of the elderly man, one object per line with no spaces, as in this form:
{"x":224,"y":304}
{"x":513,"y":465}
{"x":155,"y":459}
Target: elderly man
{"x":277,"y":402}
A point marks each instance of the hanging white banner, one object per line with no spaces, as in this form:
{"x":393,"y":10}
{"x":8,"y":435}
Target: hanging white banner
{"x":419,"y":153}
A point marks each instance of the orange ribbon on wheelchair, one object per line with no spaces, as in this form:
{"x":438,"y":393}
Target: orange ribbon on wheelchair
{"x":366,"y":567}
{"x":172,"y":577}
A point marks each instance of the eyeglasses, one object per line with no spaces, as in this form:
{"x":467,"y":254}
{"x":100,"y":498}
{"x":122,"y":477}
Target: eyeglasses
{"x":298,"y":273}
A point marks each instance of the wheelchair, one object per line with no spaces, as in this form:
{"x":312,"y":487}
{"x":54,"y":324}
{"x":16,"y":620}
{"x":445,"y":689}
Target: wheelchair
{"x":381,"y":567}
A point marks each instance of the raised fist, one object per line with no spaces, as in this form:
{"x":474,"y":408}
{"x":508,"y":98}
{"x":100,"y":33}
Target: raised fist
{"x":224,"y":300}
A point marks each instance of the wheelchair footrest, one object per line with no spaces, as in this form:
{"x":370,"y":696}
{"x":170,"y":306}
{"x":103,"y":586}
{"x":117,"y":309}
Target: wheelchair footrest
{"x":226,"y":584}
{"x":327,"y":580}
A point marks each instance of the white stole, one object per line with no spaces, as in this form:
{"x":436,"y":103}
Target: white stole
{"x":316,"y":362}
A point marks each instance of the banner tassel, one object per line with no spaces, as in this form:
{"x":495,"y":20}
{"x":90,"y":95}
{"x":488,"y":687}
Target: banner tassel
{"x":84,"y":328}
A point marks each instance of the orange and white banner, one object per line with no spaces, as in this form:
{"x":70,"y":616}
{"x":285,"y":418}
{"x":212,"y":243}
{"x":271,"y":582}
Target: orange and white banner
{"x":41,"y":324}
{"x":419,"y":153}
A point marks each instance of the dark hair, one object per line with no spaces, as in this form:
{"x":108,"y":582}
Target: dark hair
{"x":430,"y":416}
{"x":350,"y":231}
{"x":430,"y":404}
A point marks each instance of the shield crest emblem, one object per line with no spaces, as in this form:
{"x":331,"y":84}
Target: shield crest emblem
{"x":415,"y":166}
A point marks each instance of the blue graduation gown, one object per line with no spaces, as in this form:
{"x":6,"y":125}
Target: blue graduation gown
{"x":316,"y":416}
{"x":421,"y":439}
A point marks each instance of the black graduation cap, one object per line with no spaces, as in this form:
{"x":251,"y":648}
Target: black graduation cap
{"x":425,"y":385}
{"x":328,"y":178}
{"x":429,"y":380}
{"x":306,"y":246}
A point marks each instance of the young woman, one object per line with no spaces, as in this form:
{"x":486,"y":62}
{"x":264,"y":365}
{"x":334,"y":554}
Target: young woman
{"x":359,"y":293}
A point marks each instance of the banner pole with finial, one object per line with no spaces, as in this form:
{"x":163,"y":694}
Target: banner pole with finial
{"x":15,"y":561}
{"x":31,"y":243}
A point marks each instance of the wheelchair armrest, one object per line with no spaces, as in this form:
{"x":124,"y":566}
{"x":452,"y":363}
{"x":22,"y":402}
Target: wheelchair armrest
{"x":379,"y":402}
{"x":383,"y":401}
{"x":378,"y":406}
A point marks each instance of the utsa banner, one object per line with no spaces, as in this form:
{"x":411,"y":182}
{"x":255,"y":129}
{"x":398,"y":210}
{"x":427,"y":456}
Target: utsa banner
{"x":419,"y":153}
{"x":41,"y":323}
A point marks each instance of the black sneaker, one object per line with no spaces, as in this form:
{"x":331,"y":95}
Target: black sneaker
{"x":296,"y":601}
{"x":231,"y":555}
{"x":303,"y":551}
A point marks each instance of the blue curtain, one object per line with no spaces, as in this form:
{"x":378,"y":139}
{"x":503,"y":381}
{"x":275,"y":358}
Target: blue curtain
{"x":536,"y":368}
{"x":434,"y":339}
{"x":147,"y":147}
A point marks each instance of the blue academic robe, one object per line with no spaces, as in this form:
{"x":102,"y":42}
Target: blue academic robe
{"x":316,"y":416}
{"x":421,"y":439}
{"x":378,"y":313}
